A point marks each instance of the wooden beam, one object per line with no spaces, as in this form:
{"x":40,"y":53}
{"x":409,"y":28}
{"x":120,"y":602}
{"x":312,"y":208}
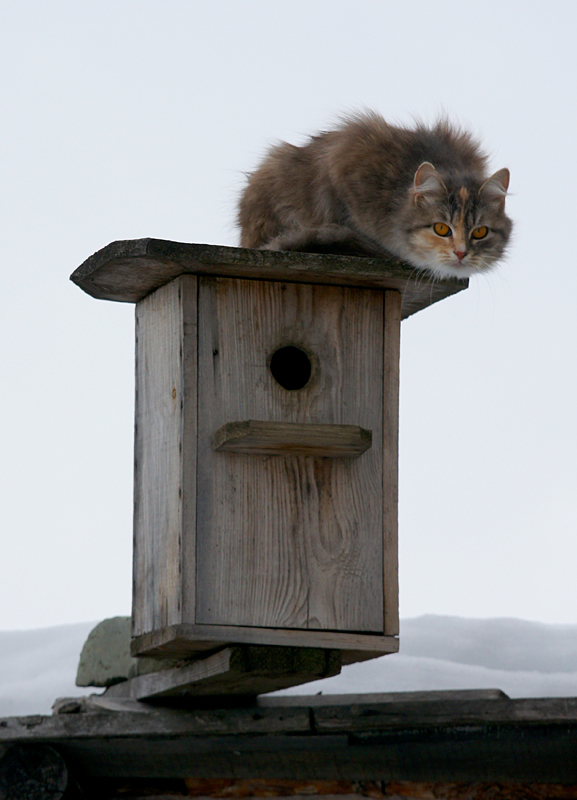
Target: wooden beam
{"x":444,"y":737}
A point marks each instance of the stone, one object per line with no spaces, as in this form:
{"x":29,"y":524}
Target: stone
{"x":105,"y":658}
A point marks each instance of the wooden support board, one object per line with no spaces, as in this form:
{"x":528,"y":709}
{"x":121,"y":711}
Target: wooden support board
{"x":127,"y":271}
{"x":245,"y":671}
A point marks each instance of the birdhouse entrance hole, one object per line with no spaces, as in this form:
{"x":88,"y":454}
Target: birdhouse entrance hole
{"x":291,"y":367}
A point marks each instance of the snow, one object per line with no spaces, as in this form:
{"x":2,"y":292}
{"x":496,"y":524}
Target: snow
{"x":38,"y":666}
{"x":524,"y":659}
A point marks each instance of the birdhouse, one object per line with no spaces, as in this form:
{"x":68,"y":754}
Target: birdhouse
{"x":265,"y":500}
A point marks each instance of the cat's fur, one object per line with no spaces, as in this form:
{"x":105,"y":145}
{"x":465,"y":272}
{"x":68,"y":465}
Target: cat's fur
{"x":368,"y":187}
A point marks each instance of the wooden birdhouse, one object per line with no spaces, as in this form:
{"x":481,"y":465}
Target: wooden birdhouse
{"x":265,"y":506}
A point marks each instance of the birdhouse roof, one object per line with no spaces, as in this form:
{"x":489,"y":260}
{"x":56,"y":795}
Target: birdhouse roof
{"x":127,"y":271}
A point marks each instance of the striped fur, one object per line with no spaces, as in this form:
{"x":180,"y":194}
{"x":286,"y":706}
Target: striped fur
{"x":368,"y":187}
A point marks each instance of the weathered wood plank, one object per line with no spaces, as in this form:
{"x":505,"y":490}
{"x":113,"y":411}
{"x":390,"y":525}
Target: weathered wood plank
{"x":158,"y":722}
{"x":391,"y":351}
{"x":165,"y":455}
{"x":183,"y":641}
{"x":127,"y":271}
{"x":493,"y":739}
{"x":247,"y":671}
{"x":379,"y":716}
{"x":256,"y":437}
{"x":324,"y":700}
{"x":498,"y":753}
{"x":307,"y":531}
{"x":104,"y":703}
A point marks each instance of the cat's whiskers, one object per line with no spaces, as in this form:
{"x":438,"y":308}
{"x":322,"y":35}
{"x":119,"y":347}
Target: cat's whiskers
{"x":425,"y":279}
{"x":423,"y":275}
{"x":429,"y":280}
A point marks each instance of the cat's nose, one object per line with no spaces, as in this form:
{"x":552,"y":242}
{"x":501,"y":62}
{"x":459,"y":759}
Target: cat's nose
{"x":460,"y":254}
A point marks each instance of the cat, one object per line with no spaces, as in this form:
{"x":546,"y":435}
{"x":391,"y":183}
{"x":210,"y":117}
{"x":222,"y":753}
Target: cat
{"x":368,"y":188}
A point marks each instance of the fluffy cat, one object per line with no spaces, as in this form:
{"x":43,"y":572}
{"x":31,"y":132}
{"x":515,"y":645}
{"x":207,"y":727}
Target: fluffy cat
{"x":368,"y":187}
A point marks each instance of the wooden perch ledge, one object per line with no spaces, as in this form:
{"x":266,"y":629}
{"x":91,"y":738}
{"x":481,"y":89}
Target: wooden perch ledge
{"x":254,"y":437}
{"x":127,"y":271}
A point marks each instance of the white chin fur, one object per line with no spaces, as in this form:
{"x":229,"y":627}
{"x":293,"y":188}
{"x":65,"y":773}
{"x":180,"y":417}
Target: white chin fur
{"x":440,"y":270}
{"x":447,"y":271}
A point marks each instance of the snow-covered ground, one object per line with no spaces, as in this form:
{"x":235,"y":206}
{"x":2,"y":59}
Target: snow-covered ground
{"x":524,"y":659}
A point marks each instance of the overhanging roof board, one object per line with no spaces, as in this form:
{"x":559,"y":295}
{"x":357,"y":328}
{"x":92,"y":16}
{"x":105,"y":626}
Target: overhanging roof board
{"x":127,"y":271}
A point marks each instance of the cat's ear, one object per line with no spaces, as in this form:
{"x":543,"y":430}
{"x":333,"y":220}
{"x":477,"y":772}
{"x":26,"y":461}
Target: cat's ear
{"x":495,"y":188}
{"x":427,"y":184}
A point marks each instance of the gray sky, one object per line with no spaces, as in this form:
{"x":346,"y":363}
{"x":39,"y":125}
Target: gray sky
{"x":126,"y":119}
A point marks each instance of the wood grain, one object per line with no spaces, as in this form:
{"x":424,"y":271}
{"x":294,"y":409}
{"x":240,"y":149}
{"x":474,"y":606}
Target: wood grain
{"x":165,"y":456}
{"x":293,"y":542}
{"x":257,"y":437}
{"x":391,"y":352}
{"x":295,"y":545}
{"x":126,"y":271}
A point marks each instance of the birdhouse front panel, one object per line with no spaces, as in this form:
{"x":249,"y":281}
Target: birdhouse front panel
{"x":286,"y":539}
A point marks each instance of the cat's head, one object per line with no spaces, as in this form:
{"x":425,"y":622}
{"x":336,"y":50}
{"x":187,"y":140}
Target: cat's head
{"x":456,"y":226}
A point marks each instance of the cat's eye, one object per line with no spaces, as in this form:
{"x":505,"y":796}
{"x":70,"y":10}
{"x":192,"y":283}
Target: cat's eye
{"x":441,"y":229}
{"x":480,"y":233}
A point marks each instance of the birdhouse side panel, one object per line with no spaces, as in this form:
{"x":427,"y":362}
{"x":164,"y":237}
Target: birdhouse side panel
{"x":289,"y":541}
{"x":165,"y":455}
